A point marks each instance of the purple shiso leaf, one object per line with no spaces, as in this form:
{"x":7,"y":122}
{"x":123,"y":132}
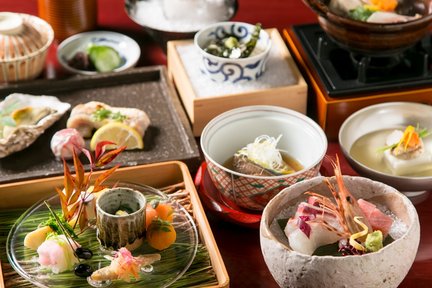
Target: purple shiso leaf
{"x":303,"y":226}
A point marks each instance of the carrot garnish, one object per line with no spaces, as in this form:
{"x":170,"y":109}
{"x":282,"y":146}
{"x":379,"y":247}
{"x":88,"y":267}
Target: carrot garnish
{"x":385,"y":5}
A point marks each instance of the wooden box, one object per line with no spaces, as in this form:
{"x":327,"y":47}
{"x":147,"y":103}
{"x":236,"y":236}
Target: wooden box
{"x":26,"y":193}
{"x":202,"y":109}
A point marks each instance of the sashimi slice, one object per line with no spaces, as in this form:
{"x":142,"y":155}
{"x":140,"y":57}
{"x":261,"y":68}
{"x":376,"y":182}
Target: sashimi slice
{"x":377,"y":219}
{"x":318,"y":236}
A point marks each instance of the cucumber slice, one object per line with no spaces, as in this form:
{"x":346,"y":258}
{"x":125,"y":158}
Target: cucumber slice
{"x":104,"y":58}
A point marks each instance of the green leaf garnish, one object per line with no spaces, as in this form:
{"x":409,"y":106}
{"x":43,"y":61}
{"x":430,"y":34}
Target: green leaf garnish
{"x":361,"y":13}
{"x":58,"y":223}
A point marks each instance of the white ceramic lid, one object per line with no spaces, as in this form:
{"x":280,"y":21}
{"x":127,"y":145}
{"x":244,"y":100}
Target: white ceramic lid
{"x":22,"y":35}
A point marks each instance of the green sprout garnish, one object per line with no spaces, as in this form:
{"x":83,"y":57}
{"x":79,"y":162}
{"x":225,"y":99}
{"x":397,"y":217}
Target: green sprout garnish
{"x":102,"y":114}
{"x":58,"y":223}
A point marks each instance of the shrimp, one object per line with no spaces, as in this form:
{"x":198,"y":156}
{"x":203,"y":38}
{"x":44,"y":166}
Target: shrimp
{"x":321,"y":221}
{"x":346,"y":203}
{"x":124,"y":266}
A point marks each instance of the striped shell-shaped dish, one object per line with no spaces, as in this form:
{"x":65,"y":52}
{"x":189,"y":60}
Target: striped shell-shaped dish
{"x":120,"y":219}
{"x":24,"y":42}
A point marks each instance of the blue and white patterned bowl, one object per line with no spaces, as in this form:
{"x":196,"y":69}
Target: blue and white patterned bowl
{"x":221,"y":69}
{"x":128,"y":49}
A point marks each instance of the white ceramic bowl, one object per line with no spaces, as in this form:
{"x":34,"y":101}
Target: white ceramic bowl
{"x":128,"y":49}
{"x":227,"y":133}
{"x":221,"y":69}
{"x":385,"y":268}
{"x":383,"y":116}
{"x":25,"y":40}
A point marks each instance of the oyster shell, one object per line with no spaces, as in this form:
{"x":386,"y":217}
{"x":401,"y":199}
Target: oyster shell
{"x":23,"y":118}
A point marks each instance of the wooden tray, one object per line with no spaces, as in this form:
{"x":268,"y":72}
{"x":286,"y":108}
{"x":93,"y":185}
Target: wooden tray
{"x":168,"y":138}
{"x":202,"y":110}
{"x":25,"y":193}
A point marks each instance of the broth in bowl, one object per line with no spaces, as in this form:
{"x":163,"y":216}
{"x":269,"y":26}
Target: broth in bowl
{"x":229,"y":132}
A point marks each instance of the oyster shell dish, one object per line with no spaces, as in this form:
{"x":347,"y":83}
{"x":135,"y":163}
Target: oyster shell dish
{"x":24,"y":117}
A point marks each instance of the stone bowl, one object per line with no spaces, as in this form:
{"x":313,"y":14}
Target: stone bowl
{"x":227,"y":133}
{"x":384,"y":268}
{"x":227,"y":70}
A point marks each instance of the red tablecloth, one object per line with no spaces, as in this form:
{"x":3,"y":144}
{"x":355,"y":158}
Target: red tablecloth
{"x":240,"y":246}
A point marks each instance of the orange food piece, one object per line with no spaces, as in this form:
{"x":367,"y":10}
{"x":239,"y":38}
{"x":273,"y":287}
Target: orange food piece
{"x":165,"y":211}
{"x":410,"y":139}
{"x":151,"y":214}
{"x":385,"y":5}
{"x":160,"y":234}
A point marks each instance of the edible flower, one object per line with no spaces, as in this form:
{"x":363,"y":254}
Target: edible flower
{"x":353,"y":237}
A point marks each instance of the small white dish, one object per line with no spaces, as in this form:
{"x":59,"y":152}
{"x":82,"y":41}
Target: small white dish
{"x":127,"y":48}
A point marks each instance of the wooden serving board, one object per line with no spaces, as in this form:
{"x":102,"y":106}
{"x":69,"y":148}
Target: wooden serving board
{"x":202,"y":109}
{"x":169,"y":136}
{"x":23,"y":194}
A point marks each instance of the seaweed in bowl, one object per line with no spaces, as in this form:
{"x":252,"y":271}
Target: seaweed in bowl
{"x":232,"y":46}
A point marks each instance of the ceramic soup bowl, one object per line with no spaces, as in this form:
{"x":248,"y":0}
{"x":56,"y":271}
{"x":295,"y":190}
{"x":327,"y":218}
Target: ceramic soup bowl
{"x":227,"y":133}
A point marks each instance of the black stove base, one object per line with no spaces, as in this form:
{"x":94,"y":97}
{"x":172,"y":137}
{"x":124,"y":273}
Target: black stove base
{"x":345,"y":73}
